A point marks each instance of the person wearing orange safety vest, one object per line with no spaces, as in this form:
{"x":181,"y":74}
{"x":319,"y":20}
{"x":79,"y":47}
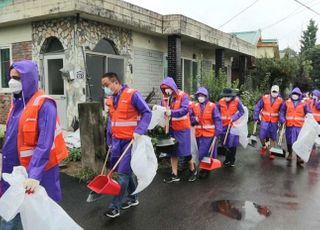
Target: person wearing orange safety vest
{"x":231,"y":109}
{"x":267,"y":112}
{"x":315,"y":105}
{"x":292,"y":113}
{"x":177,"y":111}
{"x":205,"y":117}
{"x":33,"y":135}
{"x":129,"y":118}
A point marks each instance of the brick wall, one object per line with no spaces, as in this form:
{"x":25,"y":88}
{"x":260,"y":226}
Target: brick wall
{"x":21,"y":51}
{"x":174,"y":59}
{"x":5,"y":100}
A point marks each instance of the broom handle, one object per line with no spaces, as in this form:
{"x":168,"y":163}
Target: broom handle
{"x":212,"y":146}
{"x":105,"y":161}
{"x":122,"y":155}
{"x":167,"y":118}
{"x":227,"y":133}
{"x":255,"y":128}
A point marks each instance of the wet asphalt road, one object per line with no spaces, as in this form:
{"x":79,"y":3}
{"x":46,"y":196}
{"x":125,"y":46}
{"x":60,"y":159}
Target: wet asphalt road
{"x":284,"y":197}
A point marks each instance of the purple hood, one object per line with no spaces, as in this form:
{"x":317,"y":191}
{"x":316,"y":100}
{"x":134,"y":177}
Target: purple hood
{"x":296,"y":91}
{"x":29,"y":77}
{"x":168,"y":81}
{"x":316,"y":93}
{"x":204,"y":91}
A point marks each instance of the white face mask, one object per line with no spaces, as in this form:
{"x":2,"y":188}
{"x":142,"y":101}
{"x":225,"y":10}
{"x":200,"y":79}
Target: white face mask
{"x":295,"y":97}
{"x":15,"y":86}
{"x":314,"y":97}
{"x":107,"y":91}
{"x":274,"y":94}
{"x":201,"y":99}
{"x":168,"y":92}
{"x":228,"y":98}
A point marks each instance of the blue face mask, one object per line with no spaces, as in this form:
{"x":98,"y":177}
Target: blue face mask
{"x":107,"y":91}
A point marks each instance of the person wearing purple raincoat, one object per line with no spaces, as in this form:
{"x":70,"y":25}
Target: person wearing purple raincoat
{"x":267,"y":111}
{"x":293,"y":119}
{"x":231,"y":109}
{"x":23,"y":85}
{"x":204,"y":142}
{"x":114,"y":88}
{"x":315,"y":105}
{"x":178,"y":112}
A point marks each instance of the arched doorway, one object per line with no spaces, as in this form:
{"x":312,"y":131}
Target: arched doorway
{"x":103,"y":58}
{"x":53,"y":82}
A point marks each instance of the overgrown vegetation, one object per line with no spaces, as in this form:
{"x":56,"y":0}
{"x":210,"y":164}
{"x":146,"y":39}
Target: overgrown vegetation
{"x":74,"y":155}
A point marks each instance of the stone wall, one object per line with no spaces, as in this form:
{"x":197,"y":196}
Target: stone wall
{"x":74,"y":35}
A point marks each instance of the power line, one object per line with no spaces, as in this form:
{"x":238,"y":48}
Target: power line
{"x":293,"y":13}
{"x":307,"y":7}
{"x":238,"y":14}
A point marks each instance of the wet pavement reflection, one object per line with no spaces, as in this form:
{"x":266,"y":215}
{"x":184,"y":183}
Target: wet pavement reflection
{"x":246,"y":211}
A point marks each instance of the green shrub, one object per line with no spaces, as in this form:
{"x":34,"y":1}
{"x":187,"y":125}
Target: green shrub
{"x":74,"y":155}
{"x":85,"y":175}
{"x":2,"y":130}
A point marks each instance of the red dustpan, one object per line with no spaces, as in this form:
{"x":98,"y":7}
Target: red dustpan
{"x":208,"y":163}
{"x":104,"y":184}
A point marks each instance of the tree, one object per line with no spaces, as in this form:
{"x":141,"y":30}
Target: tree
{"x":309,"y":37}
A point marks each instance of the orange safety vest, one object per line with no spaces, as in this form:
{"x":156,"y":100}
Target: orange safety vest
{"x":315,"y":112}
{"x":295,"y":115}
{"x":206,"y":125}
{"x":227,"y":111}
{"x":178,"y":123}
{"x":124,"y":118}
{"x":28,"y":133}
{"x":270,"y":112}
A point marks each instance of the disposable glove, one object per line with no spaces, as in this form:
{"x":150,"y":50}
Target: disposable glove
{"x":31,"y":185}
{"x":136,"y":136}
{"x":168,"y":112}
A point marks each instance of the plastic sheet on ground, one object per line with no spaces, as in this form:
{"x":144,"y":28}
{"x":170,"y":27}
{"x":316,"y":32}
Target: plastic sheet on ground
{"x":158,"y":117}
{"x":194,"y":147}
{"x":307,"y":137}
{"x":144,"y":162}
{"x":240,"y":128}
{"x":73,"y":140}
{"x":37,"y":211}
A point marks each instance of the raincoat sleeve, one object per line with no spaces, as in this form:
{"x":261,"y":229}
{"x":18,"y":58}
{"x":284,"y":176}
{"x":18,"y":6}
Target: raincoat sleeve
{"x":217,"y":121}
{"x":184,"y":108}
{"x":240,"y":112}
{"x":306,"y":109}
{"x":257,"y":110}
{"x":108,"y":132}
{"x":145,"y":113}
{"x":193,"y":117}
{"x":317,"y":104}
{"x":283,"y":110}
{"x":46,"y":125}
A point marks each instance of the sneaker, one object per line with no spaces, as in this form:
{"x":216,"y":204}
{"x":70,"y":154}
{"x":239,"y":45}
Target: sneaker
{"x":112,"y":213}
{"x":271,"y":156}
{"x":232,"y":164}
{"x":299,"y":161}
{"x":263,"y":151}
{"x":171,"y":178}
{"x":129,"y":203}
{"x":226,"y":163}
{"x":193,"y":175}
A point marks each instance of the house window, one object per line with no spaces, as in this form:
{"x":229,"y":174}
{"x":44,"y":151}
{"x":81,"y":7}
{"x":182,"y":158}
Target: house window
{"x":4,"y":66}
{"x":189,"y":75}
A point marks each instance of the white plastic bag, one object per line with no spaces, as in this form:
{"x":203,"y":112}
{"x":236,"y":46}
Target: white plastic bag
{"x":37,"y":211}
{"x":194,"y":147}
{"x":158,"y":117}
{"x":307,"y":137}
{"x":144,"y":162}
{"x":240,"y":128}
